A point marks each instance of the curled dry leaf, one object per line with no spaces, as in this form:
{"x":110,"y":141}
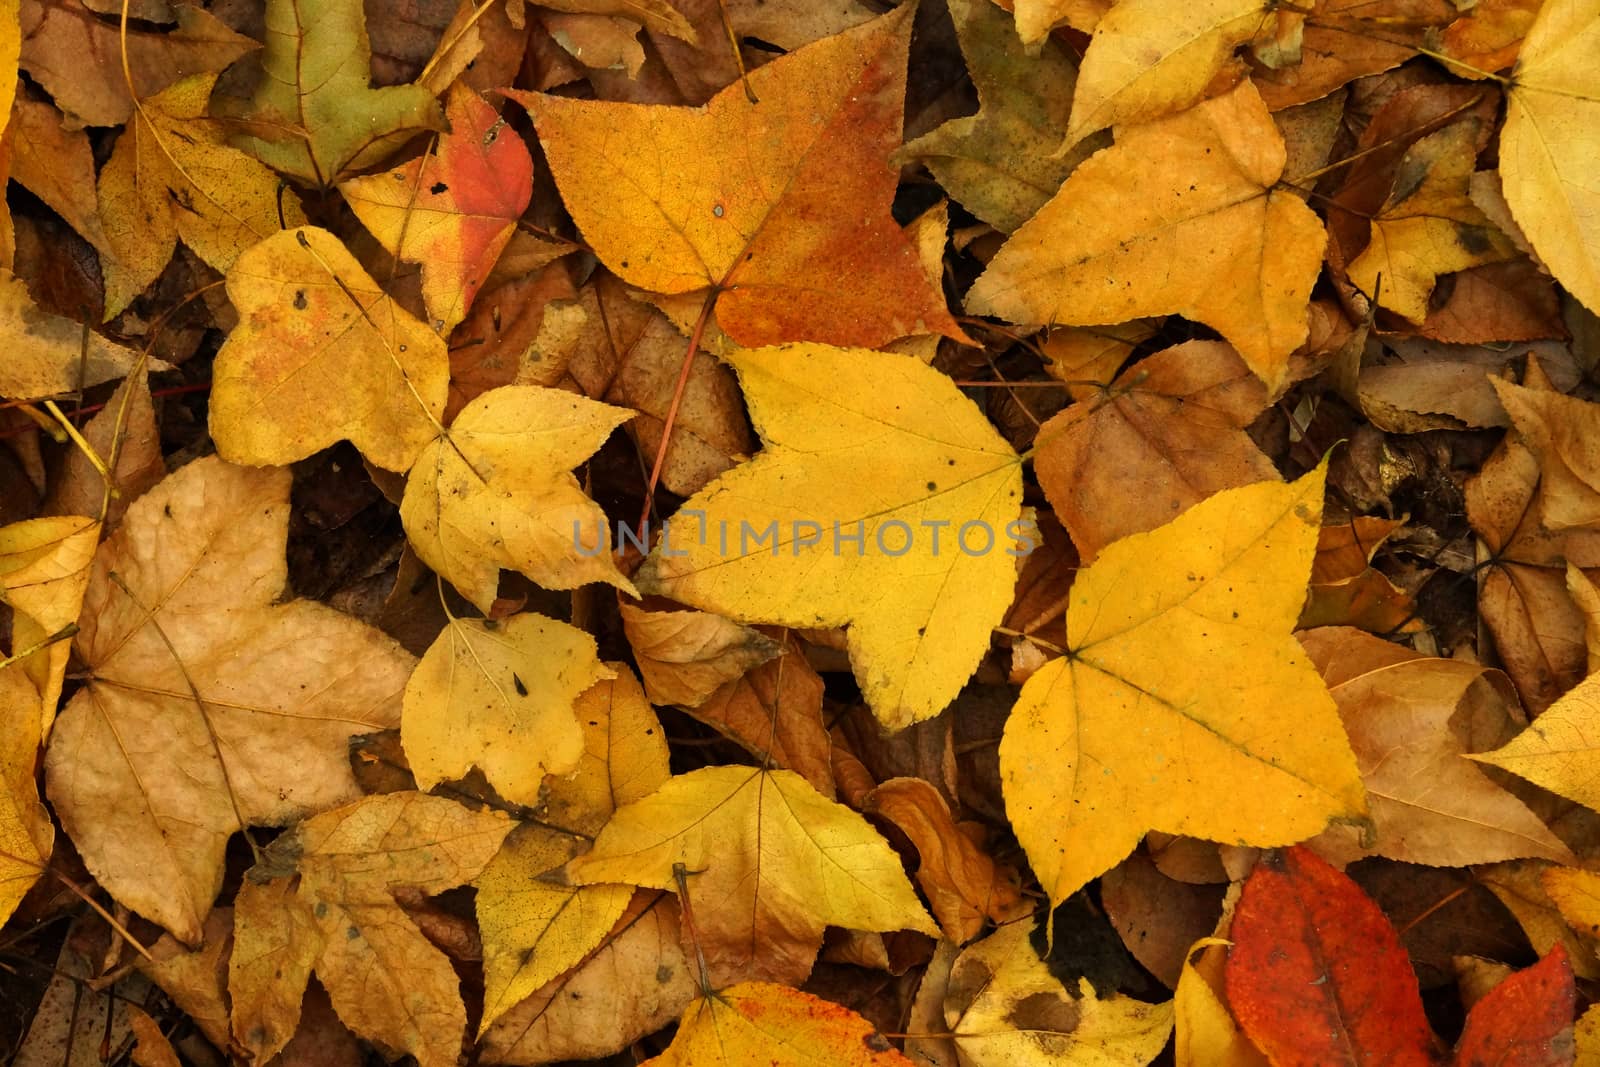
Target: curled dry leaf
{"x":737,"y":197}
{"x":686,"y":656}
{"x":177,"y":739}
{"x":1208,"y":199}
{"x":322,"y":900}
{"x":771,"y":862}
{"x":496,"y":490}
{"x":1183,"y":631}
{"x":322,"y":354}
{"x":499,"y":695}
{"x":918,"y":607}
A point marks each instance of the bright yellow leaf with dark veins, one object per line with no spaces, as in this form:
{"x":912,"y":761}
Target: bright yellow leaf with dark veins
{"x":496,"y":490}
{"x":1550,"y":144}
{"x":1202,"y":233}
{"x":771,"y":862}
{"x":498,"y":695}
{"x":1183,"y":704}
{"x":321,"y":353}
{"x":173,"y":175}
{"x":1151,"y":57}
{"x":1430,"y":226}
{"x":884,"y":501}
{"x":759,"y":1022}
{"x":782,"y":206}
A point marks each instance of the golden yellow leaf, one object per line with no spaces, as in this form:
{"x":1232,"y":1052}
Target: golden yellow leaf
{"x":321,"y":354}
{"x":1151,"y":57}
{"x":1205,"y":1033}
{"x":322,"y":899}
{"x":1429,"y":226}
{"x":1183,"y":704}
{"x":535,"y":930}
{"x":771,"y":862}
{"x":758,"y":1022}
{"x":1558,"y":751}
{"x":44,"y":570}
{"x":1005,"y":1009}
{"x":1204,"y":233}
{"x":1550,"y":144}
{"x":173,"y":175}
{"x":496,"y":490}
{"x":26,"y":832}
{"x":1586,"y":1035}
{"x":499,"y":695}
{"x":1576,"y":895}
{"x":1035,"y":18}
{"x":209,"y":705}
{"x":1520,"y":886}
{"x":47,"y":355}
{"x":915,"y":559}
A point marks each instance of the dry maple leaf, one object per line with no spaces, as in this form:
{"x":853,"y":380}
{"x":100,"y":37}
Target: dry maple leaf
{"x":771,"y":862}
{"x":321,"y":354}
{"x":1181,"y":687}
{"x":209,"y":705}
{"x":772,"y":1024}
{"x":534,"y":930}
{"x":170,"y":176}
{"x":451,"y":210}
{"x":781,"y":207}
{"x":321,"y":899}
{"x":48,"y":355}
{"x":1550,"y":143}
{"x":44,"y":571}
{"x":496,"y":490}
{"x":919,"y":609}
{"x":498,"y":694}
{"x":1205,"y":234}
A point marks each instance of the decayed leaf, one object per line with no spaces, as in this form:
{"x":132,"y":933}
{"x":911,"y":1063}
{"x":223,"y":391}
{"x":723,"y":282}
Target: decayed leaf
{"x":1429,"y":226}
{"x":1346,"y":590}
{"x":579,"y":1015}
{"x":170,"y":176}
{"x":771,"y":863}
{"x":499,"y":695}
{"x":1551,"y":139}
{"x":197,"y":979}
{"x":1564,"y":434}
{"x":44,"y":570}
{"x":772,"y":1024}
{"x":1098,"y":254}
{"x":1004,"y":1008}
{"x":314,"y":114}
{"x":321,"y":354}
{"x":496,"y":490}
{"x":918,"y":606}
{"x":1181,"y":686}
{"x":26,"y":832}
{"x":56,"y":165}
{"x":77,"y":55}
{"x":209,"y":706}
{"x":1148,"y":58}
{"x":124,"y":434}
{"x":47,"y":355}
{"x":1317,"y":974}
{"x":535,"y":930}
{"x":1411,"y":720}
{"x":321,"y":900}
{"x":451,"y":210}
{"x":1205,"y":1033}
{"x":1173,"y":425}
{"x":1348,"y":39}
{"x":1001,"y":163}
{"x":965,"y":887}
{"x":685,"y":656}
{"x":744,"y":197}
{"x":1422,"y":385}
{"x":1158,"y":918}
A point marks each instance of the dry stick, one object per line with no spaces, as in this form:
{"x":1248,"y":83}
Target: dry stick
{"x":677,"y":399}
{"x":67,"y":632}
{"x":680,"y":873}
{"x":738,"y":57}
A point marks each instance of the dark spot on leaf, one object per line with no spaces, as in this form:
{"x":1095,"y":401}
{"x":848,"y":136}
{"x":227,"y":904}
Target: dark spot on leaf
{"x":299,"y":299}
{"x":522,"y":690}
{"x":1472,"y":238}
{"x":876,"y":1042}
{"x":438,"y":187}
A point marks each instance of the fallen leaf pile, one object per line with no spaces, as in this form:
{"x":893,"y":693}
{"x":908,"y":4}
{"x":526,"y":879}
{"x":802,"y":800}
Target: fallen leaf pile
{"x":954,"y":533}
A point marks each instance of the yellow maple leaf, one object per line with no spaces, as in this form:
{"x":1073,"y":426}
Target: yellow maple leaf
{"x":1204,"y":233}
{"x":1183,"y":704}
{"x":321,"y":353}
{"x":322,"y":899}
{"x":759,"y":1022}
{"x":496,"y":490}
{"x":26,"y":832}
{"x":534,"y":930}
{"x":173,"y":175}
{"x":47,"y":354}
{"x":770,"y":862}
{"x":499,"y":695}
{"x":1550,"y":143}
{"x":44,"y":570}
{"x":799,"y":537}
